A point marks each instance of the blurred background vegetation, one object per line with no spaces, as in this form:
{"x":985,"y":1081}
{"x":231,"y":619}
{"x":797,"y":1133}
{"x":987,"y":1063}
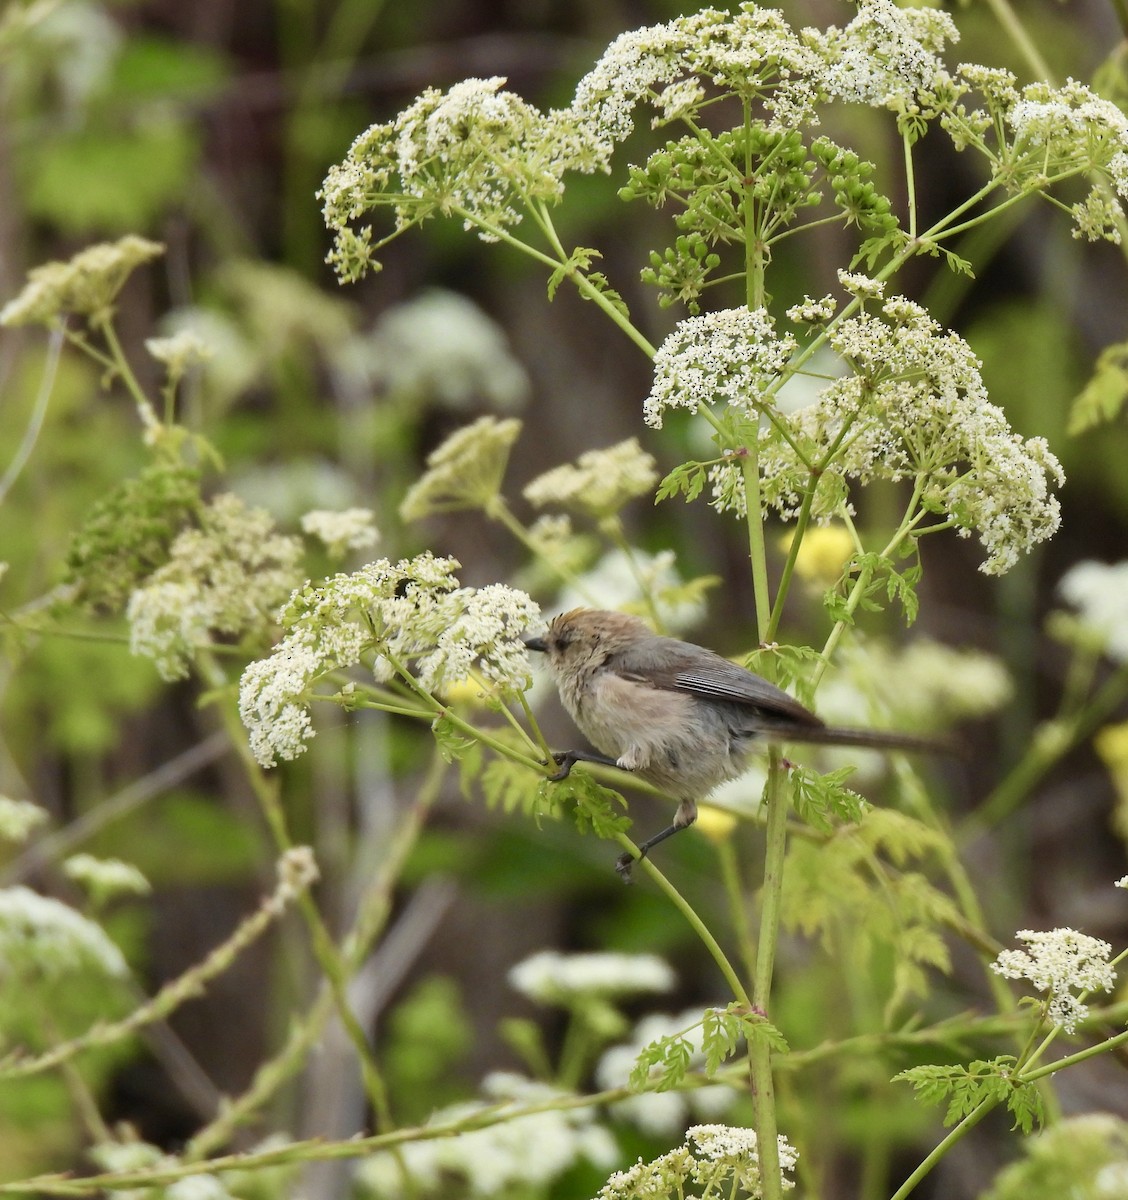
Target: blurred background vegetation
{"x":209,"y":127}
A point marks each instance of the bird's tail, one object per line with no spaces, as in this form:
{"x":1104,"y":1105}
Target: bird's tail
{"x":872,"y":739}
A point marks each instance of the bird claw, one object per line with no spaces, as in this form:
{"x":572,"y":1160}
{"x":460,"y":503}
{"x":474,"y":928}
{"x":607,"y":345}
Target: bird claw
{"x":565,"y":760}
{"x":623,"y":865}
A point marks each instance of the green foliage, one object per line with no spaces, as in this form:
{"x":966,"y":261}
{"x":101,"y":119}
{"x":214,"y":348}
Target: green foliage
{"x":128,"y":534}
{"x":822,"y":801}
{"x":876,"y":575}
{"x":686,"y":480}
{"x":428,"y":1036}
{"x":1104,"y":395}
{"x":135,"y":152}
{"x":982,"y":1082}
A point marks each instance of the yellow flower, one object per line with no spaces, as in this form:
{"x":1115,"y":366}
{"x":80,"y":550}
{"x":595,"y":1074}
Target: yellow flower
{"x":1111,"y":743}
{"x":825,"y":551}
{"x":715,"y":823}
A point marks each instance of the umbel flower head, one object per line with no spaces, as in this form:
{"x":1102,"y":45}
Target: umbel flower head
{"x":465,"y":472}
{"x":1060,"y":962}
{"x":86,"y":286}
{"x":913,"y":408}
{"x":714,"y":1159}
{"x":387,"y":616}
{"x":481,"y":153}
{"x":600,"y":482}
{"x":226,"y":577}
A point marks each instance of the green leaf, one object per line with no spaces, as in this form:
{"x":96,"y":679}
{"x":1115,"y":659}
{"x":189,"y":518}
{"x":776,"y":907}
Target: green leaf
{"x":662,"y":1065}
{"x":823,"y":800}
{"x":451,"y":742}
{"x":578,"y":262}
{"x":687,"y":480}
{"x":594,"y":806}
{"x":1103,"y":397}
{"x":983,"y":1081}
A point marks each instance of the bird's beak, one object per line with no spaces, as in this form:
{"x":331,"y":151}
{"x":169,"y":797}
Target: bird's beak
{"x":536,"y":643}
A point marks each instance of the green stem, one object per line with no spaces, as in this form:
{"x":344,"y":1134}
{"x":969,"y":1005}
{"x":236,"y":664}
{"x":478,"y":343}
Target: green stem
{"x":1045,"y":751}
{"x":586,"y":289}
{"x":696,"y":923}
{"x":1014,"y":29}
{"x":757,"y":549}
{"x":759,"y":1052}
{"x":910,"y":183}
{"x":324,"y":949}
{"x":121,"y":364}
{"x":734,"y":891}
{"x":954,"y":1135}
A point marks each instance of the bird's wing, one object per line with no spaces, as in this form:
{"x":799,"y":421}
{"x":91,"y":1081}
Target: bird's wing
{"x":712,"y":677}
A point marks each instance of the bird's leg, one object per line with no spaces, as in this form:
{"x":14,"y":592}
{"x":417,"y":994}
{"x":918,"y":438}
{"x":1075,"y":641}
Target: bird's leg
{"x":683,"y":818}
{"x":567,"y":759}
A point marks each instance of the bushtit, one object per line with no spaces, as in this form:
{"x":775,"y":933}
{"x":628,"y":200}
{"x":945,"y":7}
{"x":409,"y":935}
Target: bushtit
{"x":675,"y":714}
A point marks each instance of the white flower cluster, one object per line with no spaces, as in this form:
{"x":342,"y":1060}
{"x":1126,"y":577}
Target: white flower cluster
{"x":179,"y":351}
{"x":441,"y":348}
{"x":19,"y":818}
{"x":43,"y":939}
{"x":390,"y":614}
{"x":105,"y":878}
{"x":914,"y":408}
{"x":733,"y":355}
{"x":481,"y":152}
{"x":227,"y":577}
{"x":1099,"y":592}
{"x":342,"y":531}
{"x":886,"y":54}
{"x":86,"y":285}
{"x":949,"y":684}
{"x":714,"y":1159}
{"x":599,"y":483}
{"x":550,"y":977}
{"x":662,"y":1113}
{"x":523,"y":1154}
{"x":812,"y":312}
{"x":475,"y":150}
{"x":1060,"y":962}
{"x":465,"y":472}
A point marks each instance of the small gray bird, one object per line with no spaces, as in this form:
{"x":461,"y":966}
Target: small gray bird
{"x":675,"y":714}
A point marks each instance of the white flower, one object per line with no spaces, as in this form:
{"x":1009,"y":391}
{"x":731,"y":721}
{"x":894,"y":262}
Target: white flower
{"x":914,"y":408}
{"x":662,"y":1113}
{"x":600,"y":482}
{"x":43,"y":938}
{"x":861,"y":285}
{"x":179,"y":351}
{"x":721,"y":1159}
{"x":811,"y":312}
{"x":1099,"y":592}
{"x":886,"y":54}
{"x":86,"y":285}
{"x":105,"y":878}
{"x":226,"y":577}
{"x":441,"y":348}
{"x":526,"y":1152}
{"x":731,"y":355}
{"x":1060,"y":962}
{"x":554,"y":978}
{"x":18,"y":818}
{"x":387,"y":615}
{"x":350,"y":529}
{"x":465,"y":472}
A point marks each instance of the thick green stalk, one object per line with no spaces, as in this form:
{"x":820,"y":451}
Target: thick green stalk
{"x":759,"y":1052}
